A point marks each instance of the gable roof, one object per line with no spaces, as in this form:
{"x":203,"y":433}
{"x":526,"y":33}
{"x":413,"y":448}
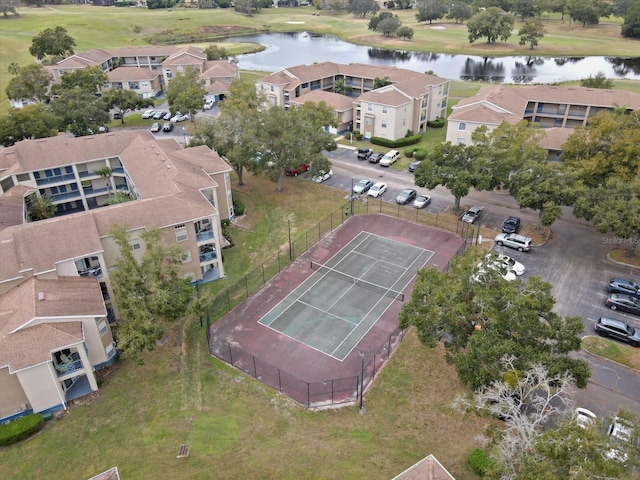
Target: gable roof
{"x":37,"y":318}
{"x":429,"y":468}
{"x":127,"y":74}
{"x":389,"y":95}
{"x":340,"y":103}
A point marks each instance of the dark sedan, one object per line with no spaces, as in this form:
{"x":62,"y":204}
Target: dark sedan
{"x":406,"y":196}
{"x":375,"y":157}
{"x":622,"y":285}
{"x":624,"y":303}
{"x":511,"y":225}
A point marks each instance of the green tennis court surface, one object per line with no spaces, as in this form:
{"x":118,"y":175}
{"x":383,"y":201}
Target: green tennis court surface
{"x":342,"y":299}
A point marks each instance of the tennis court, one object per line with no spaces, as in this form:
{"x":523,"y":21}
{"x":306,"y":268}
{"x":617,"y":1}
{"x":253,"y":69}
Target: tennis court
{"x":335,"y":307}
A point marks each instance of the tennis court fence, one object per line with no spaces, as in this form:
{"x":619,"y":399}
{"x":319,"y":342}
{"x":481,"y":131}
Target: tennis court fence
{"x":321,"y":394}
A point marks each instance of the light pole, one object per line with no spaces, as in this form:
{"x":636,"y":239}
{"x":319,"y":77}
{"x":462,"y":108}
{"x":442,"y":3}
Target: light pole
{"x":184,"y":133}
{"x":361,"y":383}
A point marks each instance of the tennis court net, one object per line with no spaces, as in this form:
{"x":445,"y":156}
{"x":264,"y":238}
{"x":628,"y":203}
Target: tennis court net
{"x":357,"y":281}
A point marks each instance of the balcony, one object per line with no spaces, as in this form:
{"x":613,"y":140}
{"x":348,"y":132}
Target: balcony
{"x":59,"y":197}
{"x":55,"y":179}
{"x":91,"y":272}
{"x":66,"y":368}
{"x":208,"y":257}
{"x":204,"y":236}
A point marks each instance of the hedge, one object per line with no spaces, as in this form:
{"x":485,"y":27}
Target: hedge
{"x":479,"y":461}
{"x":439,"y":123}
{"x":401,"y":142}
{"x":238,"y":207}
{"x":20,"y":429}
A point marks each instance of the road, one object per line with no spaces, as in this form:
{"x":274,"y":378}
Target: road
{"x":574,"y":260}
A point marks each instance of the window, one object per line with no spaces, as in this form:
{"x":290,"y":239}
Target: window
{"x":370,"y":107}
{"x":180,"y":68}
{"x":384,"y":124}
{"x":135,"y":244}
{"x":109,"y":350}
{"x":187,"y":257}
{"x":384,"y":109}
{"x":102,"y":326}
{"x":271,"y":88}
{"x":181,"y":233}
{"x":462,"y":126}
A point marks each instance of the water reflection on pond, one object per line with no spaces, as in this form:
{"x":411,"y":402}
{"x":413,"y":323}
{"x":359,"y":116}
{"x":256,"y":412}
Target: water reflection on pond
{"x":302,"y":48}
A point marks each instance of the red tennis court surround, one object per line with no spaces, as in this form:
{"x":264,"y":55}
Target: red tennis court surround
{"x":296,"y":368}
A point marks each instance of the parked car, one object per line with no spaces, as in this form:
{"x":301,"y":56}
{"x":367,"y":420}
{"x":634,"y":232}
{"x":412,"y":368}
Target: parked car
{"x":622,"y":285}
{"x":364,"y":153}
{"x":377,"y":189}
{"x":624,"y":303}
{"x":389,"y":158}
{"x":513,"y":240}
{"x":511,"y":225}
{"x":375,"y":157}
{"x":584,"y":418}
{"x":148,"y":114}
{"x":294,"y":172}
{"x":511,"y":264}
{"x":155,"y":127}
{"x":167,"y":116}
{"x":117,"y":115}
{"x":406,"y":196}
{"x":362,"y":186}
{"x":492,"y":263}
{"x":422,"y":201}
{"x":620,"y":437}
{"x":178,"y":117}
{"x":610,"y":327}
{"x":159,"y":115}
{"x":413,"y":165}
{"x":208,"y":104}
{"x":167,"y":126}
{"x":322,"y":177}
{"x":103,"y":129}
{"x":472,"y":215}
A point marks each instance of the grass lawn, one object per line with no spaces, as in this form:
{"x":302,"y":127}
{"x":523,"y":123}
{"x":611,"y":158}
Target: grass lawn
{"x":616,"y":351}
{"x":235,"y":426}
{"x":624,"y":255}
{"x":93,"y":27}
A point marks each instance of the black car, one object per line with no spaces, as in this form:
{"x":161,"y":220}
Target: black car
{"x":622,"y":285}
{"x":375,"y":157}
{"x":511,"y":225}
{"x":624,"y":303}
{"x":167,"y":127}
{"x":610,"y":327}
{"x":413,"y":165}
{"x":406,"y":196}
{"x":364,"y":153}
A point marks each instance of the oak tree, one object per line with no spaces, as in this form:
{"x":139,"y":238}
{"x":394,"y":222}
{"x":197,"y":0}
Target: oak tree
{"x":31,"y":82}
{"x":492,"y":24}
{"x":31,"y":121}
{"x":54,"y":42}
{"x":185,"y":92}
{"x":124,"y":101}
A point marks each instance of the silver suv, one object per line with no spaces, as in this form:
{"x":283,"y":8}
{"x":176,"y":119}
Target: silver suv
{"x":513,"y":240}
{"x":609,"y":327}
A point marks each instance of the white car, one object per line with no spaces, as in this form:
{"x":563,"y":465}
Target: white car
{"x":472,"y":215}
{"x":515,"y":266}
{"x":377,"y":189}
{"x":208,"y":105}
{"x":584,"y":418}
{"x":620,"y":437}
{"x":322,"y":177}
{"x":422,"y":201}
{"x":482,"y":273}
{"x":149,"y":114}
{"x":178,"y":117}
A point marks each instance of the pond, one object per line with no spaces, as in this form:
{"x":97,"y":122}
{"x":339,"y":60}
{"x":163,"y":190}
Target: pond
{"x":304,"y":48}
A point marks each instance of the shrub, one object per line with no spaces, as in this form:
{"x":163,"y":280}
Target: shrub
{"x":479,"y":461}
{"x":357,"y":135}
{"x":20,"y":429}
{"x":408,"y":152}
{"x":439,"y":123}
{"x":420,"y":154}
{"x":401,"y":142}
{"x":238,"y":207}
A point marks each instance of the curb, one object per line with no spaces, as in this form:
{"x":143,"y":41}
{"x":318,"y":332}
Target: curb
{"x":620,"y":263}
{"x":605,"y":358}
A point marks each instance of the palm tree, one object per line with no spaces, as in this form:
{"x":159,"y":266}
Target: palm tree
{"x":106,"y":173}
{"x":40,"y":207}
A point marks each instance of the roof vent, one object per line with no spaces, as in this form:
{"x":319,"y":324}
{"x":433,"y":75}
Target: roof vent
{"x":41,"y":296}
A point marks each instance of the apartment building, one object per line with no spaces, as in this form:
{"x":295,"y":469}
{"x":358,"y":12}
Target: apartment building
{"x":148,"y":70}
{"x":65,"y":262}
{"x":407,"y":103}
{"x":556,"y":109}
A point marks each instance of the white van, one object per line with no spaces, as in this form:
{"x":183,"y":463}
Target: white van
{"x":390,"y":158}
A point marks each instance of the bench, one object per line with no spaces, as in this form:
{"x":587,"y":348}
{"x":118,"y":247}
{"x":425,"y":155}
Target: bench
{"x":184,"y":451}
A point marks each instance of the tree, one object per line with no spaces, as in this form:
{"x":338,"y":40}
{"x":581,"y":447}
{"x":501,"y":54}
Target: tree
{"x":631,"y":25}
{"x":588,"y":11}
{"x":389,"y":26}
{"x":89,"y":79}
{"x":234,"y":133}
{"x":124,"y":101}
{"x":597,"y":81}
{"x":621,"y":7}
{"x":248,"y":7}
{"x":376,"y":19}
{"x":531,"y":33}
{"x":31,"y":121}
{"x":381,"y":82}
{"x":491,"y":23}
{"x":53,"y":42}
{"x":9,"y":6}
{"x":30,"y":83}
{"x":451,"y":166}
{"x":185,"y":92}
{"x":360,"y":8}
{"x":216,"y":52}
{"x":294,"y":137}
{"x":405,"y":32}
{"x":342,"y":87}
{"x":82,"y":112}
{"x":430,"y":10}
{"x":40,"y":207}
{"x":149,"y":291}
{"x":484,"y":321}
{"x":523,"y":8}
{"x":460,"y":12}
{"x":106,"y":174}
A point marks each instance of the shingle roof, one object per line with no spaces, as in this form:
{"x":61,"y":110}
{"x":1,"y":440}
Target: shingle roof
{"x":554,"y":138}
{"x":219,"y":68}
{"x":31,"y":327}
{"x":429,"y":468}
{"x":388,"y":95}
{"x":126,"y":74}
{"x":340,"y":103}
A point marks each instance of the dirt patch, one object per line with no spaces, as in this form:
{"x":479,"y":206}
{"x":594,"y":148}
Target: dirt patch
{"x":539,"y":236}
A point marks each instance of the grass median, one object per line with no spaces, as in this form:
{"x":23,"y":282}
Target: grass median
{"x":618,"y":352}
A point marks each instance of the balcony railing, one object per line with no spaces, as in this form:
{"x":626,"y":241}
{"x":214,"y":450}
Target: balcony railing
{"x":57,"y":197}
{"x":204,"y":236}
{"x":64,"y":369}
{"x":91,"y":272}
{"x":55,"y":179}
{"x":208,"y":257}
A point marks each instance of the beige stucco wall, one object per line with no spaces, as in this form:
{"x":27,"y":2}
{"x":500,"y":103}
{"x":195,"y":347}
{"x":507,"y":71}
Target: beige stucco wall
{"x":12,"y":397}
{"x":95,"y":343}
{"x":41,"y":386}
